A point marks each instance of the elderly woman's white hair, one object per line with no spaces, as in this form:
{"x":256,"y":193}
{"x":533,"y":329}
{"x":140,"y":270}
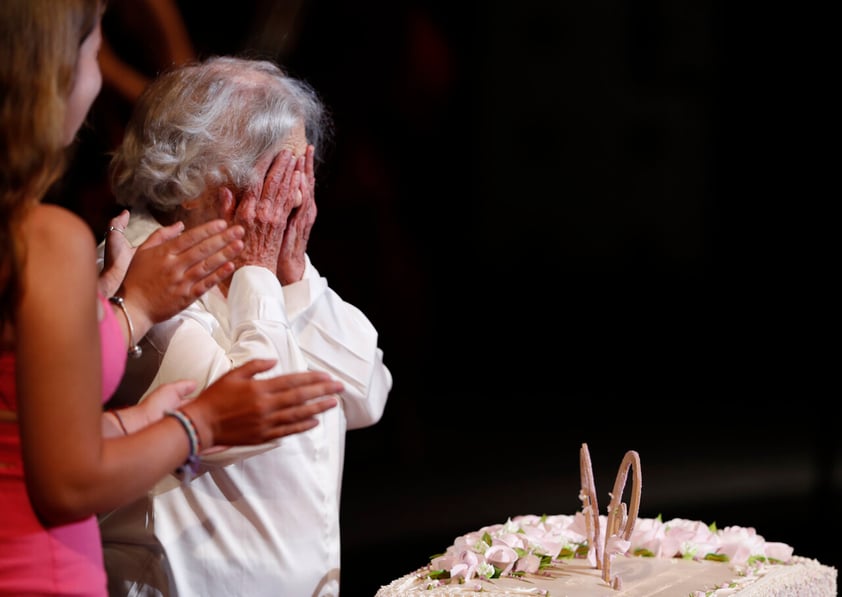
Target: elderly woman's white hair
{"x":206,"y":124}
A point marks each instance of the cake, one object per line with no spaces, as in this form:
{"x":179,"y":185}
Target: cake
{"x":588,"y":554}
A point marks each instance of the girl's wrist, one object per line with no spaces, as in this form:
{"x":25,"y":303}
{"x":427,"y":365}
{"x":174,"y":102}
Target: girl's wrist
{"x":140,"y":318}
{"x":134,"y":349}
{"x":120,"y":421}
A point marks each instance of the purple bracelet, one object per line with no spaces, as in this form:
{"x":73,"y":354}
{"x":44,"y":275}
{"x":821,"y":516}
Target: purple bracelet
{"x":191,"y":465}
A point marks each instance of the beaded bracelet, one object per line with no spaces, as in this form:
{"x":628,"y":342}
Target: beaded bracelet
{"x":135,"y":351}
{"x":191,"y":465}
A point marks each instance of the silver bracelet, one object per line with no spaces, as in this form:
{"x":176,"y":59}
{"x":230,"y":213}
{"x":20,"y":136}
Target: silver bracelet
{"x":135,"y":351}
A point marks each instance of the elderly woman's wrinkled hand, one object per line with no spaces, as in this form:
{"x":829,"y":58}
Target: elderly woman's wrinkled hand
{"x":291,"y":259}
{"x":264,"y":210}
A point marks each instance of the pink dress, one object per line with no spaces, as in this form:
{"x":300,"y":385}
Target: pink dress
{"x":36,"y":560}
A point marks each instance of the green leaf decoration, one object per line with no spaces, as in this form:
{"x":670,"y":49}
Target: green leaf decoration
{"x":717,"y":557}
{"x":565,"y":554}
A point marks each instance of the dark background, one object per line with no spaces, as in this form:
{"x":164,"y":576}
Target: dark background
{"x":571,"y":223}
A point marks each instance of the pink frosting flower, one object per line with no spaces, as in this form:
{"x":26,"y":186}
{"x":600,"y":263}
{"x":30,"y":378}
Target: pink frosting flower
{"x":616,"y":545}
{"x":512,"y":540}
{"x":740,"y":543}
{"x":579,"y":524}
{"x":687,"y":538}
{"x":502,"y":557}
{"x":467,"y":565}
{"x":648,"y":535}
{"x":529,"y":563}
{"x":779,"y":551}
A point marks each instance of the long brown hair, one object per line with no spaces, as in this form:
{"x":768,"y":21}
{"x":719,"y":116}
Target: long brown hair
{"x":39,"y":49}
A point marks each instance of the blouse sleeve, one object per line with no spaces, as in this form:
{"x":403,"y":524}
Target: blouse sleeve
{"x":305,"y":326}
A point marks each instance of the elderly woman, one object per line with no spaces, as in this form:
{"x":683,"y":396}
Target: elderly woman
{"x":195,"y":150}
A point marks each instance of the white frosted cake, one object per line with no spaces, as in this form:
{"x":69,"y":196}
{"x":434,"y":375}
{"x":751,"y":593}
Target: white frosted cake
{"x":615,"y":555}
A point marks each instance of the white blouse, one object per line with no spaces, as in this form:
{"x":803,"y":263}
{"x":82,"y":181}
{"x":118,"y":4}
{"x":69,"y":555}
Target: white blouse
{"x":260,"y":520}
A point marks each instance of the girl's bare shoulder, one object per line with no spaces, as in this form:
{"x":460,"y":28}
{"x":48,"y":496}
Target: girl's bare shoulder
{"x":46,"y":218}
{"x":52,"y":227}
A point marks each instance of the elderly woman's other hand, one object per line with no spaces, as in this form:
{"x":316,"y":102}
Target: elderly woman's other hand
{"x":291,"y":259}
